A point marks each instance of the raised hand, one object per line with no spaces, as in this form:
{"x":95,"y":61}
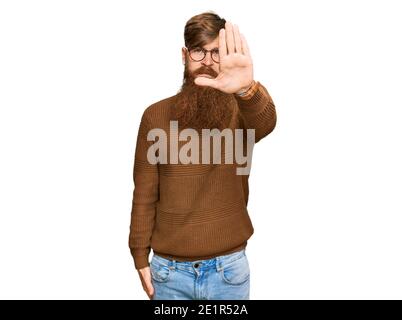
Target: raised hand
{"x":235,"y":63}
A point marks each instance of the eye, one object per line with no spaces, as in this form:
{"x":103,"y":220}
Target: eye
{"x":197,"y":50}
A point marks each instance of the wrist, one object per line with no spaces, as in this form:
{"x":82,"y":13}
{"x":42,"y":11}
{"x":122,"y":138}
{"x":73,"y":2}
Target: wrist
{"x":244,"y":91}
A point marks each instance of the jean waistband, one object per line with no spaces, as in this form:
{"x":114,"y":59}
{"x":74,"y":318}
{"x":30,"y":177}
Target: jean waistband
{"x":217,"y":262}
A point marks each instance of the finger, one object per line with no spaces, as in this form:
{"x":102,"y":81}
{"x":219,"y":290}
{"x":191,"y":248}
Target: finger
{"x":246,"y":50}
{"x":222,"y":43}
{"x":150,"y":294}
{"x":144,"y":286}
{"x":203,"y":81}
{"x":229,"y":38}
{"x":150,"y":288}
{"x":146,"y":281}
{"x":237,"y":39}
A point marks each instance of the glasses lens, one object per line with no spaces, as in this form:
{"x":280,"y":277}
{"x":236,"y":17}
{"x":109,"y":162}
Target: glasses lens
{"x":197,"y":54}
{"x":215,"y":55}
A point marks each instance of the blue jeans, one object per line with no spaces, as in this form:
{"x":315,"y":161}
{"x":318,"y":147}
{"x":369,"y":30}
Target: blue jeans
{"x":225,"y":277}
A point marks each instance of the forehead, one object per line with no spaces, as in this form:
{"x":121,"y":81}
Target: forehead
{"x":213,"y":44}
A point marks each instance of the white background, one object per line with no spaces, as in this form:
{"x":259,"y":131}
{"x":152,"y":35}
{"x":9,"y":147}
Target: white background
{"x":325,"y":185}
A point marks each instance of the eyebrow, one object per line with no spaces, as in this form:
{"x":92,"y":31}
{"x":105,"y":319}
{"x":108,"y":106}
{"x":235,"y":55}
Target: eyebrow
{"x":216,"y":48}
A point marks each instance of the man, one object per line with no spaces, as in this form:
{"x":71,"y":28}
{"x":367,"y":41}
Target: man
{"x":194,"y":216}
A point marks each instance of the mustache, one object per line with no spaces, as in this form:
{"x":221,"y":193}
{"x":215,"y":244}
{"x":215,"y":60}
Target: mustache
{"x":205,"y":70}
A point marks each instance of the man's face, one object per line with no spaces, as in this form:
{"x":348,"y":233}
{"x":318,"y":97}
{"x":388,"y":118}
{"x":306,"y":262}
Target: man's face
{"x":202,"y":107}
{"x":207,"y":64}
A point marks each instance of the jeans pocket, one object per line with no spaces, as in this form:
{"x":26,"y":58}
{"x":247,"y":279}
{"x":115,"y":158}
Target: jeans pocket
{"x":159,"y":271}
{"x":236,"y":272}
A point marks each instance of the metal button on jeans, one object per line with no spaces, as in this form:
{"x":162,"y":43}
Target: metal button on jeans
{"x":196,"y":265}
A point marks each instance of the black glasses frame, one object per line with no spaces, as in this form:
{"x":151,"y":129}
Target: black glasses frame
{"x":205,"y":51}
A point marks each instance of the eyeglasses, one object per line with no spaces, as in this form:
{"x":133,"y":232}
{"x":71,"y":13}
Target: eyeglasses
{"x":198,"y":54}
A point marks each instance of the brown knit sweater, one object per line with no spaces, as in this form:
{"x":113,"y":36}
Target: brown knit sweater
{"x":193,"y":211}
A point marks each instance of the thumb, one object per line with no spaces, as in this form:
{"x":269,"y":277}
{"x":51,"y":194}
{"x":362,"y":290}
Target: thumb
{"x":203,"y":81}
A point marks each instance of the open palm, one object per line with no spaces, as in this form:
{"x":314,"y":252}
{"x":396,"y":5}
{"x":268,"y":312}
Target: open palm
{"x":235,"y":63}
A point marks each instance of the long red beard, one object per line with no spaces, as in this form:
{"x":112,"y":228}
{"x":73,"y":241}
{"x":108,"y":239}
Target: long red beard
{"x":202,"y":107}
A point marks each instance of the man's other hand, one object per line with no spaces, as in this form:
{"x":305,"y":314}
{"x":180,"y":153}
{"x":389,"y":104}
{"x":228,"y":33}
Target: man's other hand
{"x":145,"y":276}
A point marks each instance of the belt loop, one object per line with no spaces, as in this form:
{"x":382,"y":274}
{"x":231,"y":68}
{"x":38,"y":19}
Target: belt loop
{"x":218,"y":264}
{"x":172,"y":264}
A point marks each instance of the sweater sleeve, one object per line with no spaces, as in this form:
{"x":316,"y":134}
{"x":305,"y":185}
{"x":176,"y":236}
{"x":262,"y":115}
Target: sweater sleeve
{"x":145,"y":196}
{"x":258,"y":111}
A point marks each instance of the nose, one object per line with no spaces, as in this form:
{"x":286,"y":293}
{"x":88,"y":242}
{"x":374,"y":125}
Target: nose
{"x":207,"y":61}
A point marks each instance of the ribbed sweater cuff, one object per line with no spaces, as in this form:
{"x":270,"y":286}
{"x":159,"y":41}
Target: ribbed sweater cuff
{"x":141,"y":261}
{"x":256,"y":103}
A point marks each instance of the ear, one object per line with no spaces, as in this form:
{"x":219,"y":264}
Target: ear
{"x":183,"y":55}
